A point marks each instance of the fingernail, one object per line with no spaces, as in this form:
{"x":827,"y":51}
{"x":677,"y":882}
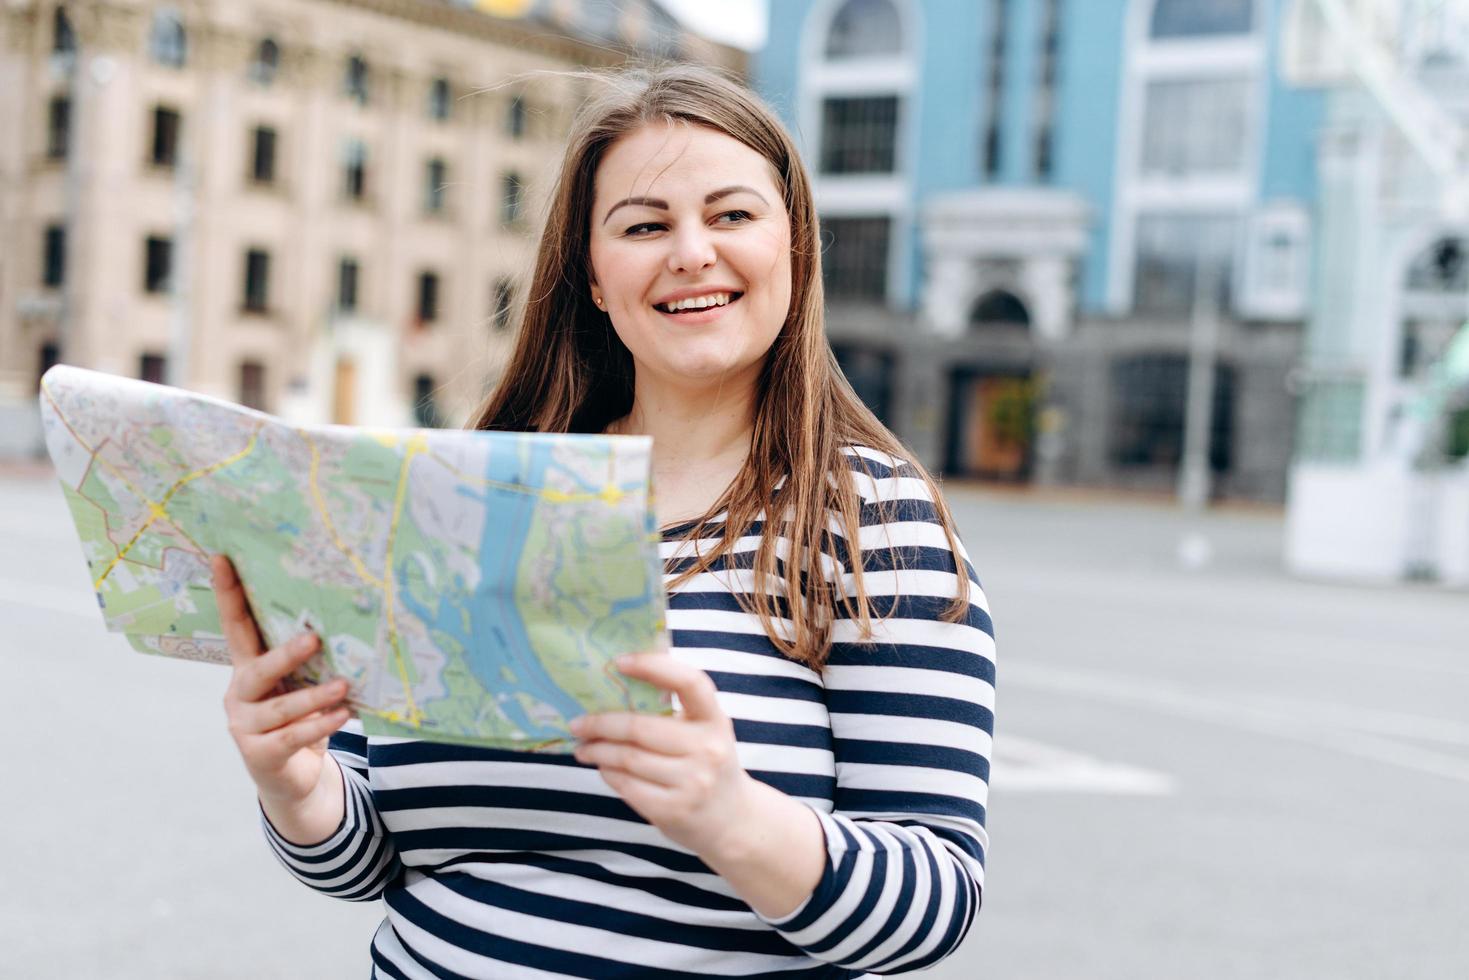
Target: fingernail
{"x":576,"y":726}
{"x":303,"y":642}
{"x":623,"y":662}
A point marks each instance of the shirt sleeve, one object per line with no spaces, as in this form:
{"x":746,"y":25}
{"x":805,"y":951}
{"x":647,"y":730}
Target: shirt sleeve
{"x":358,"y":860}
{"x":912,"y":717}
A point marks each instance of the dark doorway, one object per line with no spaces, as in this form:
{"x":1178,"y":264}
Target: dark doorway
{"x":153,"y":368}
{"x":991,"y":424}
{"x":50,"y":357}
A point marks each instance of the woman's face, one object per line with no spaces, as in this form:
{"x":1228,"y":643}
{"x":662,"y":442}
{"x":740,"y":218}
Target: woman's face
{"x":682,"y":212}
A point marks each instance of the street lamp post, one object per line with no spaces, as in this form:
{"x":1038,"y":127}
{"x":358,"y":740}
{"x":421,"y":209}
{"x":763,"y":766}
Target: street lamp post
{"x":1203,"y":354}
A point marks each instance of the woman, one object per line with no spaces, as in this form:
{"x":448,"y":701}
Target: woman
{"x":816,"y":807}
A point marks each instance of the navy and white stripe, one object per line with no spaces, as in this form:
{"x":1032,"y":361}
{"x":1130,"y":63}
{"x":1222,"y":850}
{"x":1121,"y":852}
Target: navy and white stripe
{"x":506,"y":864}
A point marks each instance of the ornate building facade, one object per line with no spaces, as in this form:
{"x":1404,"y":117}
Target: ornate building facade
{"x":321,"y":208}
{"x":1019,"y":198}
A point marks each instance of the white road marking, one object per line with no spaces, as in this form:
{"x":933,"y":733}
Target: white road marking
{"x":1024,"y":765}
{"x":1354,"y":731}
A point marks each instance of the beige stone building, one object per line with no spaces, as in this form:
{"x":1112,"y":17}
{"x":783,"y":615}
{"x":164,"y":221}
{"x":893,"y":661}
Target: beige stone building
{"x":321,"y":208}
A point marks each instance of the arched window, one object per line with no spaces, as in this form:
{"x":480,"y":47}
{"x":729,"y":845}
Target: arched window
{"x":1432,"y":303}
{"x":63,"y":38}
{"x":439,"y":99}
{"x":1442,"y":267}
{"x":1201,"y":18}
{"x":167,"y":42}
{"x":999,"y":308}
{"x":862,"y":28}
{"x":267,"y":62}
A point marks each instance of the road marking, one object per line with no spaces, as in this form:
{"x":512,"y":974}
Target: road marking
{"x":1356,"y":732}
{"x":1023,"y":765}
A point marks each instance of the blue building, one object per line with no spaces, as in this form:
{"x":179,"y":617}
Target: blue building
{"x":1019,"y":198}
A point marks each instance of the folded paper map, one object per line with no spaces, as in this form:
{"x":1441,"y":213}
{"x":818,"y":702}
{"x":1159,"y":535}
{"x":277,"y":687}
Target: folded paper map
{"x":473,"y":587}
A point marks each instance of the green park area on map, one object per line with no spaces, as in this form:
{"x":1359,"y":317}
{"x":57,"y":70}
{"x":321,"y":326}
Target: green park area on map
{"x":473,"y":587}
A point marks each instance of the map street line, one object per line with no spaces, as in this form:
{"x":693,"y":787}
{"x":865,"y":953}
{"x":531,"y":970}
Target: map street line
{"x":326,"y":518}
{"x":415,"y":446}
{"x":159,"y":511}
{"x":156,"y":510}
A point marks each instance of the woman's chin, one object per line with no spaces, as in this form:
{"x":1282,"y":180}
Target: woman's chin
{"x":703,"y":368}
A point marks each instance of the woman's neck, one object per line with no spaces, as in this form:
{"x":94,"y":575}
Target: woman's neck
{"x":691,"y":429}
{"x":700,"y":443}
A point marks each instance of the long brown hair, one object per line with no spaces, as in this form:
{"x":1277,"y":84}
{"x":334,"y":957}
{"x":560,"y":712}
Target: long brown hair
{"x":570,"y":373}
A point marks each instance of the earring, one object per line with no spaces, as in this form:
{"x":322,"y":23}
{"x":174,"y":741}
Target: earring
{"x":598,"y":301}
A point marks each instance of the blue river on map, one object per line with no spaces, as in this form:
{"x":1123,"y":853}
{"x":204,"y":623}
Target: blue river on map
{"x":497,"y":634}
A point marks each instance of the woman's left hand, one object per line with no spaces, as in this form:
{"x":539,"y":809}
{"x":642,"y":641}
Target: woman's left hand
{"x":680,"y":773}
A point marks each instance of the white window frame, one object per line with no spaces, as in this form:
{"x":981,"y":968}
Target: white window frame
{"x":863,"y":195}
{"x":1147,"y":60}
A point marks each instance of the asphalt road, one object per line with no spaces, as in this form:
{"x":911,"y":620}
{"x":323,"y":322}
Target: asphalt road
{"x":1211,"y":773}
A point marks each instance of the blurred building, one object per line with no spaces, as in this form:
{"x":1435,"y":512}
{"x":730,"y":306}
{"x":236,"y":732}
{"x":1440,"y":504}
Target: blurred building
{"x":1018,"y":197}
{"x":320,"y":208}
{"x":1380,"y":485}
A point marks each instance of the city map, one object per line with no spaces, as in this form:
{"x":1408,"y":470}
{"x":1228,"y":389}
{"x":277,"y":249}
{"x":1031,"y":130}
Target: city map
{"x":473,"y":587}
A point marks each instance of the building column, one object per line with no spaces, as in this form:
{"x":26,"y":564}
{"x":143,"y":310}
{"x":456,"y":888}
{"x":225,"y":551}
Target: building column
{"x":946,"y":293}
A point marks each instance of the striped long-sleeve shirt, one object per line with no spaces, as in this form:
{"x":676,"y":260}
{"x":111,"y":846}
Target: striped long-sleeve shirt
{"x":507,"y":864}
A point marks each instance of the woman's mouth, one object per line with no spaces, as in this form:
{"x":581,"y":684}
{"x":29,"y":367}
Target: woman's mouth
{"x":701,"y":309}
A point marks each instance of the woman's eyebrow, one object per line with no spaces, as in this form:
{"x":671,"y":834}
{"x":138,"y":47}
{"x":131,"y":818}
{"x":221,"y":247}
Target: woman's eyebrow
{"x":713,"y":196}
{"x":647,"y":202}
{"x":662,"y":205}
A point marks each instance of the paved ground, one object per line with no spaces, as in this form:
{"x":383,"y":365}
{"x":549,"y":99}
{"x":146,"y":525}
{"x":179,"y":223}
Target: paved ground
{"x":1218,"y":773}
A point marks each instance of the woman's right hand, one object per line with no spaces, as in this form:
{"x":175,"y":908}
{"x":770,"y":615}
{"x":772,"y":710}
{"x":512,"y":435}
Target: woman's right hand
{"x":282,"y":735}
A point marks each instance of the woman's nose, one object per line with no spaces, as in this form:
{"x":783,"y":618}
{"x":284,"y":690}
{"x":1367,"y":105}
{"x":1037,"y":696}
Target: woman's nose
{"x":692,"y":250}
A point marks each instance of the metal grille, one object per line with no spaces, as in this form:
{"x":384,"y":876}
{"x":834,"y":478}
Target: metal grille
{"x":858,"y":135}
{"x":1150,"y":399}
{"x":854,"y":262}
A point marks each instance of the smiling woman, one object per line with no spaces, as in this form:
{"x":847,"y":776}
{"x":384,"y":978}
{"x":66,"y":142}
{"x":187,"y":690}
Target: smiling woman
{"x":712,"y":251}
{"x":816,"y":808}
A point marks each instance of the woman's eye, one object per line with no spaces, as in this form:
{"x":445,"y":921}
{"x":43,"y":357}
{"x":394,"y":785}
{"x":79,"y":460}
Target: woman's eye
{"x":647,"y":226}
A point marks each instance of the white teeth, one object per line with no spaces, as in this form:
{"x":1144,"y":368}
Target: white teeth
{"x":696,"y":302}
